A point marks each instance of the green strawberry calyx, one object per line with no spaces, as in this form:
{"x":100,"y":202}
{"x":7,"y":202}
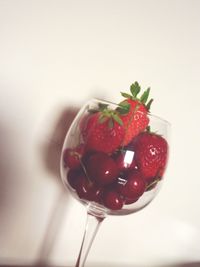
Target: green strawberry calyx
{"x":135,"y":89}
{"x":107,"y":114}
{"x":113,"y":115}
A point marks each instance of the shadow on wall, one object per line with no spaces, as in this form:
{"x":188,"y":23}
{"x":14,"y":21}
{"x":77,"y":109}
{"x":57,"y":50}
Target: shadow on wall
{"x":10,"y":168}
{"x":4,"y":170}
{"x":50,"y":152}
{"x":12,"y":172}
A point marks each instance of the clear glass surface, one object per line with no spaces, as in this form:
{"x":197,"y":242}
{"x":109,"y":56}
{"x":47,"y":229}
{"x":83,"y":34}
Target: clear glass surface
{"x":91,"y":192}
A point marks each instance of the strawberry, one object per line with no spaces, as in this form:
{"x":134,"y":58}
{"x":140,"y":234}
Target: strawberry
{"x":134,"y":112}
{"x":103,"y":131}
{"x":151,"y":153}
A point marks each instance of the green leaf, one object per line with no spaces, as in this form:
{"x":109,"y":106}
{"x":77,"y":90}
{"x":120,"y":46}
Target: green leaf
{"x":145,"y":96}
{"x":102,"y":118}
{"x":135,"y":89}
{"x":124,"y":107}
{"x":126,"y":95}
{"x":117,"y":119}
{"x":148,"y":105}
{"x":110,"y":123}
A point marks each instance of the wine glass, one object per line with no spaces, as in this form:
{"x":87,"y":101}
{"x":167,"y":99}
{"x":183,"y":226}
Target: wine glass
{"x":112,"y":166}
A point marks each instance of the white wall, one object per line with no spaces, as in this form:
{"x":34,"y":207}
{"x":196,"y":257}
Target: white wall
{"x":54,"y":55}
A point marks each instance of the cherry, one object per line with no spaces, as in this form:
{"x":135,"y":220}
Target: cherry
{"x":72,"y":157}
{"x":101,"y":168}
{"x":72,"y":177}
{"x":88,"y":190}
{"x":130,"y":200}
{"x":112,"y":200}
{"x":134,"y":187}
{"x":125,"y":160}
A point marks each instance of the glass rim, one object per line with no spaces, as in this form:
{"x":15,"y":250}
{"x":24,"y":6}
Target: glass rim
{"x":149,"y":113}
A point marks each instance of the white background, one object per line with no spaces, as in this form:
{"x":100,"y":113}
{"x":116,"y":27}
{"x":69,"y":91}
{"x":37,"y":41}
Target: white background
{"x":55,"y":55}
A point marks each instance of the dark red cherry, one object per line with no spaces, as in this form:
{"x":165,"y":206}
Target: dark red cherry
{"x":88,"y":190}
{"x":134,"y":187}
{"x":73,"y":175}
{"x":72,"y":157}
{"x":112,"y":200}
{"x":128,"y":201}
{"x":101,"y":168}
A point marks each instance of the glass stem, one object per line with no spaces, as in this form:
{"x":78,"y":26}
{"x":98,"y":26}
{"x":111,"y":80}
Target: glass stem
{"x":91,"y":228}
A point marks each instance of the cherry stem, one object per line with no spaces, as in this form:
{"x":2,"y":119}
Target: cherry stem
{"x":94,"y":219}
{"x":87,"y":176}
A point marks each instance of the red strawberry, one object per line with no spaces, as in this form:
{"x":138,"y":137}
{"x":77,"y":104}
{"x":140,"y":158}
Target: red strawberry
{"x":103,"y":131}
{"x":151,"y":153}
{"x":134,"y":112}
